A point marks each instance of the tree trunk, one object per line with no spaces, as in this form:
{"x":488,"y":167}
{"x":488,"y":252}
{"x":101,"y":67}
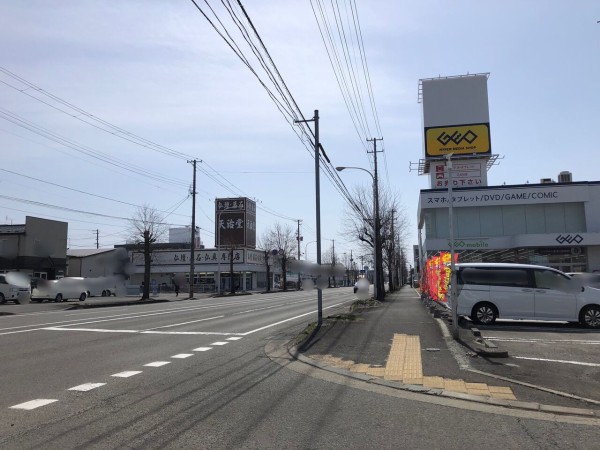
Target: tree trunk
{"x":231,"y":271}
{"x":283,"y":272}
{"x":147,"y":262}
{"x":268,"y":272}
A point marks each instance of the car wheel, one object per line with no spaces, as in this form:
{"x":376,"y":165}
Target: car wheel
{"x":58,"y":298}
{"x":82,"y":297}
{"x":2,"y":299}
{"x":17,"y":302}
{"x":108,"y":293}
{"x":103,"y":293}
{"x":484,"y":313}
{"x":590,"y":316}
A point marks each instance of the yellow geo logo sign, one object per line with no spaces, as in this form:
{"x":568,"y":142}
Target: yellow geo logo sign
{"x":458,"y":139}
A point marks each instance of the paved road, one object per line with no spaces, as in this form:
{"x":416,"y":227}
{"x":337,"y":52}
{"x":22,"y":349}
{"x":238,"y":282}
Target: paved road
{"x":104,"y":371}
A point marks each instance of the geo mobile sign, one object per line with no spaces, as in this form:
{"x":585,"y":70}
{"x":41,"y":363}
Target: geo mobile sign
{"x":456,"y":116}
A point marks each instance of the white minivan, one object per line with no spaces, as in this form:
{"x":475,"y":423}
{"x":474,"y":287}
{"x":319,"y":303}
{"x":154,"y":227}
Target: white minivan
{"x":487,"y":291}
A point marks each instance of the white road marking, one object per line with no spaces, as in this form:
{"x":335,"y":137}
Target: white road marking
{"x":219,"y":343}
{"x":103,"y":330}
{"x":549,"y":341}
{"x":182,"y":355}
{"x":157,"y":364}
{"x":33,"y":404}
{"x":126,"y":374}
{"x":86,"y":387}
{"x":202,"y":349}
{"x":185,"y":323}
{"x":578,"y":363}
{"x":291,"y":318}
{"x":234,"y":338}
{"x":96,"y":330}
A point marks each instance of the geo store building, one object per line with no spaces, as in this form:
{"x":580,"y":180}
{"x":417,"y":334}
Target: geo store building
{"x":554,"y":223}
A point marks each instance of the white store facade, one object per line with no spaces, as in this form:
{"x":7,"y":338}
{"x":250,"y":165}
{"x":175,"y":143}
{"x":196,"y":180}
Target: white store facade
{"x":552,"y":224}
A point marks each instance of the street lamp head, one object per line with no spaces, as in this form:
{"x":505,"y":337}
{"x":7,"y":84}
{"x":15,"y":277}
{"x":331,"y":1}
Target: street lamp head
{"x":339,"y":168}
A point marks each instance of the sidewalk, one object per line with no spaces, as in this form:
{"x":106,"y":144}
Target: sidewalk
{"x":401,"y":344}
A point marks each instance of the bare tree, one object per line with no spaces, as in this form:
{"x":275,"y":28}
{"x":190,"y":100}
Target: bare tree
{"x":283,"y":239}
{"x":359,"y":222}
{"x":146,"y":228}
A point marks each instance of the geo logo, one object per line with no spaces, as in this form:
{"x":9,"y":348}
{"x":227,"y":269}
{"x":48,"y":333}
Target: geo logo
{"x":568,"y":239}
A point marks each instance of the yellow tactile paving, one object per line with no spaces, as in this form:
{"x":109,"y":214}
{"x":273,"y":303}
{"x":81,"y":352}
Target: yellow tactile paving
{"x":455,"y":385}
{"x":404,"y":364}
{"x":433,"y":382}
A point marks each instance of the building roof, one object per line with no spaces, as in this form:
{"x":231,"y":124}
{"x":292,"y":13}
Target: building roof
{"x":12,"y":229}
{"x":83,"y":252}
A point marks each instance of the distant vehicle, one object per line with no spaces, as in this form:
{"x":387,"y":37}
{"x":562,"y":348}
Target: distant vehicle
{"x":59,"y":290}
{"x":487,"y":291}
{"x":355,"y":287}
{"x":10,"y":290}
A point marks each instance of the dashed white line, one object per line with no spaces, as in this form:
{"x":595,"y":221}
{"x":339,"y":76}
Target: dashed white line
{"x":86,"y":387}
{"x":234,"y":338}
{"x":220,"y":343}
{"x":104,"y":330}
{"x":577,"y":363}
{"x":182,"y":355}
{"x":157,"y":364}
{"x":202,"y":349}
{"x":126,"y":374}
{"x":34,"y":404}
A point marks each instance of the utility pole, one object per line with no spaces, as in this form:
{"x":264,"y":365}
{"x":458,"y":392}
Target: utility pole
{"x":299,"y":254}
{"x":315,"y":119}
{"x":393,"y":258}
{"x":193,"y":243}
{"x":379,"y":289}
{"x":97,"y":239}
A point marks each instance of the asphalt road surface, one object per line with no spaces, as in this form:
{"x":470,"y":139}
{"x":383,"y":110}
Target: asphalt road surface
{"x":208,"y":374}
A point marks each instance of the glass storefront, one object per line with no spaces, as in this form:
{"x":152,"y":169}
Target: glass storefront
{"x":565,"y":259}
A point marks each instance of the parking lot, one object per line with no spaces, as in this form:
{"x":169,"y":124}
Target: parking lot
{"x":553,"y":355}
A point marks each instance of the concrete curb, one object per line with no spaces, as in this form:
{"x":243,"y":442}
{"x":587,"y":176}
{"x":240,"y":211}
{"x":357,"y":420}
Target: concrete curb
{"x":510,"y":404}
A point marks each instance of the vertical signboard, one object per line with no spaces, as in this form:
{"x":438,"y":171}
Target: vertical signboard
{"x":235,"y":222}
{"x":456,"y":116}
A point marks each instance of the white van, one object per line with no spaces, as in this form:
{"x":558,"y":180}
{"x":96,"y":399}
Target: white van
{"x":59,"y":290}
{"x":13,"y":289}
{"x":487,"y":291}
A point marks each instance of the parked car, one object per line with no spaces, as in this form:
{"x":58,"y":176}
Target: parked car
{"x":12,"y":290}
{"x":487,"y":291}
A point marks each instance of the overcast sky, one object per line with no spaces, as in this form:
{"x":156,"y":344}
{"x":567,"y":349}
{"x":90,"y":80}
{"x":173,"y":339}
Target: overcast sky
{"x":157,"y":69}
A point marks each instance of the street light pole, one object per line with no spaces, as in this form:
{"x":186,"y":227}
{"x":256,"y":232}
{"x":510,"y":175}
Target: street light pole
{"x":377,"y":288}
{"x":453,"y":296}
